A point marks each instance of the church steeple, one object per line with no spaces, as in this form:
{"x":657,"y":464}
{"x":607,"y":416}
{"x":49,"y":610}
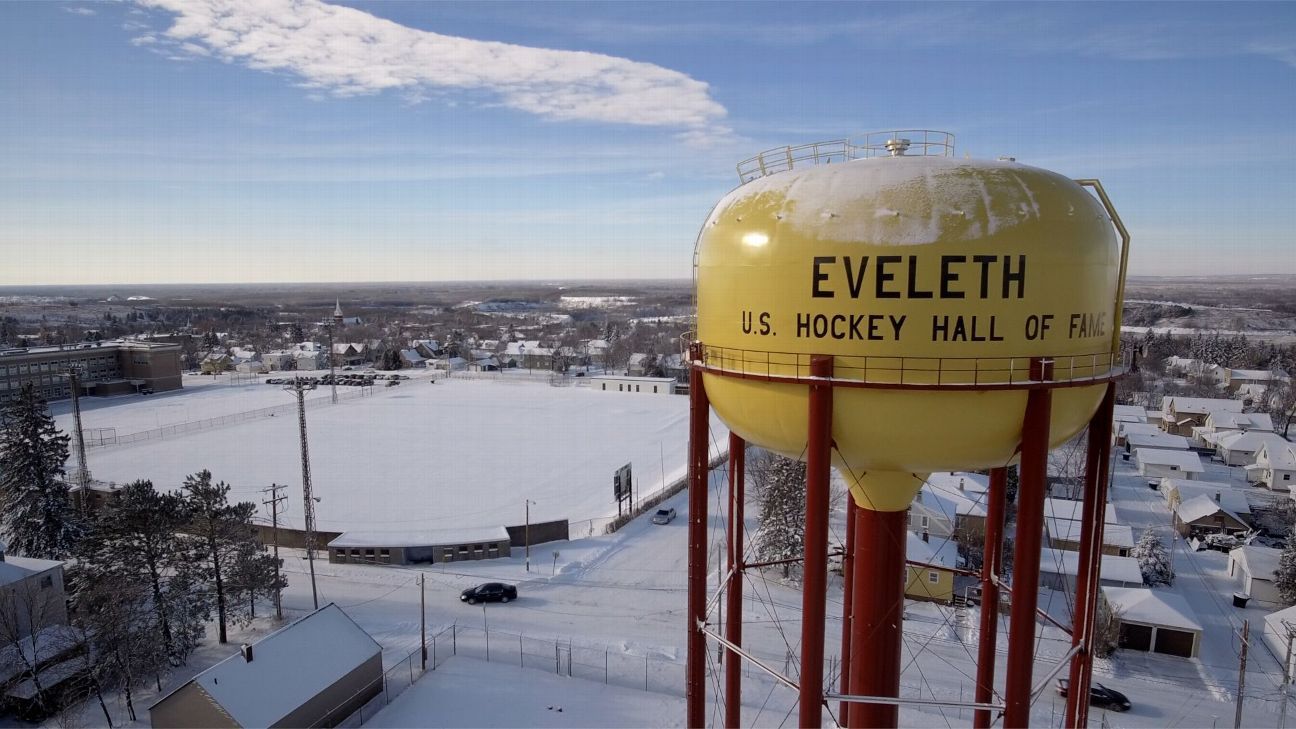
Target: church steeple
{"x":337,"y":312}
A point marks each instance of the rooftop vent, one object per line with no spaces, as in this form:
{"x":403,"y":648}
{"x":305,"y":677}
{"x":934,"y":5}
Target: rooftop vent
{"x":897,"y":146}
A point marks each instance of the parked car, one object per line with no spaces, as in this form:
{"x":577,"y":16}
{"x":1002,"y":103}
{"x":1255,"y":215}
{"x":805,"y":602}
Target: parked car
{"x":1100,"y":696}
{"x":663,"y":516}
{"x":1221,"y":542}
{"x":489,"y":592}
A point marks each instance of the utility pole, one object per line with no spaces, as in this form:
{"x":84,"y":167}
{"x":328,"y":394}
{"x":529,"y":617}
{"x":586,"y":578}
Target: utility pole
{"x":273,"y":503}
{"x":1242,"y":659}
{"x":332,"y":372}
{"x":423,"y":616}
{"x":1286,"y":680}
{"x":526,"y":531}
{"x":299,"y":388}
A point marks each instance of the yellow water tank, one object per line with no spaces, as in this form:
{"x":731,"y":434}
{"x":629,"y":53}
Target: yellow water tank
{"x":940,"y":277}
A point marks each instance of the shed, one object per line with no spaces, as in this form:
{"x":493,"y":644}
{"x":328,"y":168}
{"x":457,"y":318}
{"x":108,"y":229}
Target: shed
{"x":1058,"y":570}
{"x":1162,"y":463}
{"x":412,"y":547}
{"x":619,"y":383}
{"x":1155,"y":621}
{"x":1155,"y":440}
{"x":1279,"y":630}
{"x":314,"y":672}
{"x":930,"y":576}
{"x":1255,"y":569}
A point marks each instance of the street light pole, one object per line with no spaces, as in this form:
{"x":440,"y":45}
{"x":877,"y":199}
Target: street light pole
{"x":526,"y":532}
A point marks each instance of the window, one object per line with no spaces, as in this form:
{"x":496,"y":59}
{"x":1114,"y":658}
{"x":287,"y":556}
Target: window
{"x":925,"y":521}
{"x":384,"y":556}
{"x":1286,"y":476}
{"x":369,"y":555}
{"x":448,"y":554}
{"x":636,"y":388}
{"x":933,"y":576}
{"x":1174,"y":468}
{"x":47,"y":581}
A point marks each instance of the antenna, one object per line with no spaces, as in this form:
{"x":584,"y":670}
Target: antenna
{"x":299,"y":387}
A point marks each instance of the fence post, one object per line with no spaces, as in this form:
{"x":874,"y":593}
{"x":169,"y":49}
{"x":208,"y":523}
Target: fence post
{"x":454,"y":639}
{"x":605,"y":671}
{"x":645,"y":673}
{"x":434,"y":663}
{"x":521,"y":657}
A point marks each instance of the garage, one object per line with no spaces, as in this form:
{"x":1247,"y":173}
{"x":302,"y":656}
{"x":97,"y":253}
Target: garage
{"x":1154,"y":621}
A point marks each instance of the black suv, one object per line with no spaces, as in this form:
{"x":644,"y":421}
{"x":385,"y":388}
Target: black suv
{"x":489,"y":592}
{"x":1100,"y":696}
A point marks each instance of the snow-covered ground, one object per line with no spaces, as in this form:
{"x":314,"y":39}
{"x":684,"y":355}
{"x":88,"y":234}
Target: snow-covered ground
{"x":457,"y":453}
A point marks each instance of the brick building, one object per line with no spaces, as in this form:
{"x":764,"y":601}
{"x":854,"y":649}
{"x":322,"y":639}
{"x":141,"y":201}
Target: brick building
{"x":107,"y":368}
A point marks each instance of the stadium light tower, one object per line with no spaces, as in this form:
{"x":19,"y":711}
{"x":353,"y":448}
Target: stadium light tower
{"x":299,"y":388}
{"x":81,"y":477}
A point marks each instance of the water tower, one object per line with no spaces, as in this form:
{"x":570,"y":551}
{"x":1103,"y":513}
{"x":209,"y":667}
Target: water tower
{"x":887,"y":309}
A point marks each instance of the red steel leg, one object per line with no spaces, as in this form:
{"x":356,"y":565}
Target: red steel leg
{"x":815,"y":567}
{"x":695,"y":667}
{"x":1082,"y":674}
{"x":876,"y":619}
{"x":990,"y":568}
{"x":848,"y":579}
{"x":1026,"y":556}
{"x":733,"y":598}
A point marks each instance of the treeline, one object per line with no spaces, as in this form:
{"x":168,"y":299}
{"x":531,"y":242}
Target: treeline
{"x":145,"y":574}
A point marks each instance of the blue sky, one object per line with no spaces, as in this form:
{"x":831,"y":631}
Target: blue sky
{"x":209,"y":141}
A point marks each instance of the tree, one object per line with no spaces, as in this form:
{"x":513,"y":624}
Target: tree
{"x":253,"y":574}
{"x":1280,"y":404}
{"x":779,"y":485}
{"x":1106,"y":629}
{"x":224,"y":537}
{"x":35,"y":507}
{"x":29,"y":614}
{"x":119,"y":615}
{"x":1286,"y":573}
{"x":1153,"y":560}
{"x":137,"y":540}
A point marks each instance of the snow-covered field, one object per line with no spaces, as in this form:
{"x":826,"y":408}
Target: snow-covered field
{"x":456,"y":453}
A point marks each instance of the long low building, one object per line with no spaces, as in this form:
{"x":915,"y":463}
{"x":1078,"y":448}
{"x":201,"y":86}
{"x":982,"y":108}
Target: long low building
{"x":106,"y":368}
{"x":414,"y":547}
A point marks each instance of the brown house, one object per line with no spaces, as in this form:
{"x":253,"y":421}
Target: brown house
{"x":314,"y":672}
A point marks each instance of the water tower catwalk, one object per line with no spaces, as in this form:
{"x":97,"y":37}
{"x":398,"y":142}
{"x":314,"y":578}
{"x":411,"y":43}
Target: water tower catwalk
{"x":890,"y":311}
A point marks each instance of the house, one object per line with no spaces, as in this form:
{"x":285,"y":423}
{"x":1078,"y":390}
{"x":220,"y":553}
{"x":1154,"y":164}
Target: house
{"x":1202,"y":515}
{"x":1129,"y":414}
{"x":1275,"y":466}
{"x":1280,"y":634}
{"x":1175,"y":491}
{"x":413,"y":547}
{"x":1124,"y":429}
{"x":1255,"y":569}
{"x":1239,"y":448}
{"x":350,"y":353}
{"x":450,"y":364}
{"x":1155,"y":621}
{"x":1181,"y":414}
{"x":1235,"y":379}
{"x":310,"y":360}
{"x":314,"y":672}
{"x":1073,"y":510}
{"x":427,"y":348}
{"x":215,"y":363}
{"x":278,"y":360}
{"x":637,"y":365}
{"x":412,"y":359}
{"x":1177,"y":366}
{"x":32,"y":597}
{"x":1118,"y":539}
{"x":622,"y":383}
{"x":1163,"y":441}
{"x":930,"y":572}
{"x":251,"y":367}
{"x":950,"y":506}
{"x":1059,"y":569}
{"x":1162,"y":463}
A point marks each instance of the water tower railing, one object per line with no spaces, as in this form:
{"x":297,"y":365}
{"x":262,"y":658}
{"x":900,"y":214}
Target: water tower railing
{"x":880,"y":371}
{"x":916,"y":143}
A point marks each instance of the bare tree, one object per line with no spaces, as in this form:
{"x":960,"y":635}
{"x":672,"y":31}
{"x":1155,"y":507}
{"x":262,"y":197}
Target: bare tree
{"x":1280,"y":403}
{"x":30,"y":609}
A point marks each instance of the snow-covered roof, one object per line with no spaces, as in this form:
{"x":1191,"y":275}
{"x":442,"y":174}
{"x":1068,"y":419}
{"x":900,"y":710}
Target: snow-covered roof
{"x":1231,"y":498}
{"x":411,"y":356}
{"x":941,"y":493}
{"x":1187,"y":461}
{"x":1221,"y":420}
{"x":941,"y":553}
{"x":1152,"y":607}
{"x":1140,"y":427}
{"x":1199,"y":405}
{"x":1278,"y":455}
{"x":1130,"y":414}
{"x":1070,"y":509}
{"x":630,"y":378}
{"x":1248,"y":440}
{"x":1256,"y":375}
{"x":1200,"y":507}
{"x":1066,"y":562}
{"x":288,"y":668}
{"x":1278,"y":621}
{"x":1259,"y":562}
{"x":16,"y":569}
{"x":1068,"y":530}
{"x":419,"y":538}
{"x":1164,"y":441}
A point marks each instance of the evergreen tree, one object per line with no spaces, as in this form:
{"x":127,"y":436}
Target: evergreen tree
{"x":252,"y":575}
{"x":1153,"y":560}
{"x":779,"y":484}
{"x":36,"y":512}
{"x":137,"y":540}
{"x":1286,"y":574}
{"x":224,"y":538}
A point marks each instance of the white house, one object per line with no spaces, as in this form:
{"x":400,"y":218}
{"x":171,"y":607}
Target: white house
{"x":1275,"y":466}
{"x":1059,"y":569}
{"x":1181,"y":414}
{"x":1255,"y":570}
{"x":1235,"y":379}
{"x":1239,"y":448}
{"x":1175,"y":491}
{"x":1156,"y":621}
{"x":624,"y":383}
{"x":1124,"y":429}
{"x":1162,"y":463}
{"x":31,"y":596}
{"x":950,"y":505}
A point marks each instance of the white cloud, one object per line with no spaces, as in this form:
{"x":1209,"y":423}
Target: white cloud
{"x":348,"y":52}
{"x":79,"y":11}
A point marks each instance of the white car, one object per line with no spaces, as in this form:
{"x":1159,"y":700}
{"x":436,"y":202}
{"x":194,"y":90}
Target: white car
{"x":663,"y":516}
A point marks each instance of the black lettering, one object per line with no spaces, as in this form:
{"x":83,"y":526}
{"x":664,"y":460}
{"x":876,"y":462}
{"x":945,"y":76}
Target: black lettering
{"x":1075,"y":323}
{"x":875,"y":320}
{"x":896,"y":324}
{"x":940,"y":328}
{"x":764,"y":322}
{"x":1019,"y":277}
{"x":948,"y":277}
{"x":747,"y":321}
{"x":960,"y":330}
{"x":855,"y":321}
{"x":820,"y":325}
{"x":803,"y":325}
{"x":838,"y":319}
{"x":855,"y":281}
{"x":819,"y":275}
{"x":985,"y":262}
{"x":994,"y":337}
{"x":883,"y":277}
{"x":914,"y":293}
